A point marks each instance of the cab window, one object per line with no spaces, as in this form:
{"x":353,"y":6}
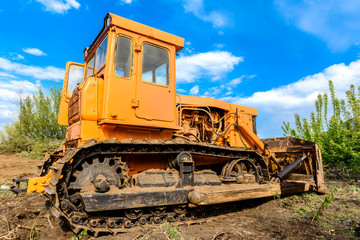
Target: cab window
{"x":97,"y":60}
{"x":90,"y":67}
{"x":155,"y":65}
{"x":101,"y":55}
{"x":123,"y":56}
{"x":74,"y":77}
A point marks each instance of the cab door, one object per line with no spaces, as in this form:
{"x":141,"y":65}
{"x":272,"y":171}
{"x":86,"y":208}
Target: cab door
{"x":73,"y":75}
{"x":155,"y":91}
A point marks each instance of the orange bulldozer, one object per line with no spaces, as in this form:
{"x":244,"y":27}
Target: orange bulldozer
{"x":136,"y":152}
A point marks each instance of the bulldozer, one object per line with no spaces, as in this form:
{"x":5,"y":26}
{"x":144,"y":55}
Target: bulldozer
{"x":138,"y":153}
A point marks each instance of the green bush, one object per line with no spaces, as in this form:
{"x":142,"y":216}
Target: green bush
{"x":36,"y":130}
{"x":38,"y":148}
{"x":338,"y":133}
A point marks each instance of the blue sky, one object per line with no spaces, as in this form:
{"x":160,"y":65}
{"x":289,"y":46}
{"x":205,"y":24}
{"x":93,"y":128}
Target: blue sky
{"x":275,"y":56}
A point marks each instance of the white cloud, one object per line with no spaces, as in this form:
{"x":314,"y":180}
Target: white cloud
{"x":10,"y":93}
{"x":6,"y":95}
{"x":4,"y":75}
{"x":281,"y":103}
{"x":235,"y":82}
{"x":212,"y":64}
{"x":224,"y":89}
{"x":126,"y":1}
{"x":23,"y":86}
{"x":16,"y":56}
{"x":196,"y":7}
{"x":304,"y":92}
{"x":214,"y":91}
{"x":59,"y":6}
{"x":180,"y":90}
{"x":219,"y":45}
{"x":194,"y":90}
{"x":12,"y":90}
{"x":42,"y":73}
{"x":334,"y":21}
{"x":6,"y":113}
{"x":34,"y":51}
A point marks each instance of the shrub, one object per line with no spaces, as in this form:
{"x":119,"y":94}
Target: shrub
{"x":36,"y":130}
{"x":338,"y":133}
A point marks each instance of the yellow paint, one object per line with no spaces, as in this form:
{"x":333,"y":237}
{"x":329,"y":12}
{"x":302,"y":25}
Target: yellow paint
{"x":88,"y":104}
{"x":38,"y":185}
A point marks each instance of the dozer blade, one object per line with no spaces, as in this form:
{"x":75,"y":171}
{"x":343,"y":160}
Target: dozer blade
{"x":302,"y":164}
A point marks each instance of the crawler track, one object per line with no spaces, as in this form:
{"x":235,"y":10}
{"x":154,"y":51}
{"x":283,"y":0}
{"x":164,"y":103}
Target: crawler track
{"x":64,"y":187}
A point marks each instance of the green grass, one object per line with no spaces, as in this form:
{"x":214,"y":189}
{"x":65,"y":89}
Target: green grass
{"x":278,"y":196}
{"x":169,"y":230}
{"x":324,"y":205}
{"x":355,"y":190}
{"x":79,"y":235}
{"x":5,"y":192}
{"x":304,"y":210}
{"x":327,"y":213}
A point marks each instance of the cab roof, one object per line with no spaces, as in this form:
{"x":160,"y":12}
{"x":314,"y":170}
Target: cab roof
{"x":139,"y":28}
{"x":147,"y":31}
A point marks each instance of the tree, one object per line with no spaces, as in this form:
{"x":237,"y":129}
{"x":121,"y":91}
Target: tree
{"x":338,"y":133}
{"x":36,"y":129}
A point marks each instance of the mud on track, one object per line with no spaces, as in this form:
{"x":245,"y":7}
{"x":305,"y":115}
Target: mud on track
{"x":273,"y":218}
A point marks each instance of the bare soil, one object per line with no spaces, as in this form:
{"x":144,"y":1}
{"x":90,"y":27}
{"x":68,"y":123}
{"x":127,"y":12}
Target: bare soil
{"x":13,"y":166}
{"x":291,"y":217}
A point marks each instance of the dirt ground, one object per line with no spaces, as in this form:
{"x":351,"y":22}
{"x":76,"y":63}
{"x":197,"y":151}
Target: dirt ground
{"x":303,"y":216}
{"x":13,"y":166}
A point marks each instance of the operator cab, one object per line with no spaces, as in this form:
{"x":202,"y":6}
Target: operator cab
{"x":129,"y":79}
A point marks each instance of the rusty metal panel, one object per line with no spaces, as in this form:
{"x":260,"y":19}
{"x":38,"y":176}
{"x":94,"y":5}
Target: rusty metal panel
{"x":133,"y":199}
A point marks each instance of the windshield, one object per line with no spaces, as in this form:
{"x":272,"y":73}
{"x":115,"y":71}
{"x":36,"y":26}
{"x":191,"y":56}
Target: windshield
{"x":97,"y":60}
